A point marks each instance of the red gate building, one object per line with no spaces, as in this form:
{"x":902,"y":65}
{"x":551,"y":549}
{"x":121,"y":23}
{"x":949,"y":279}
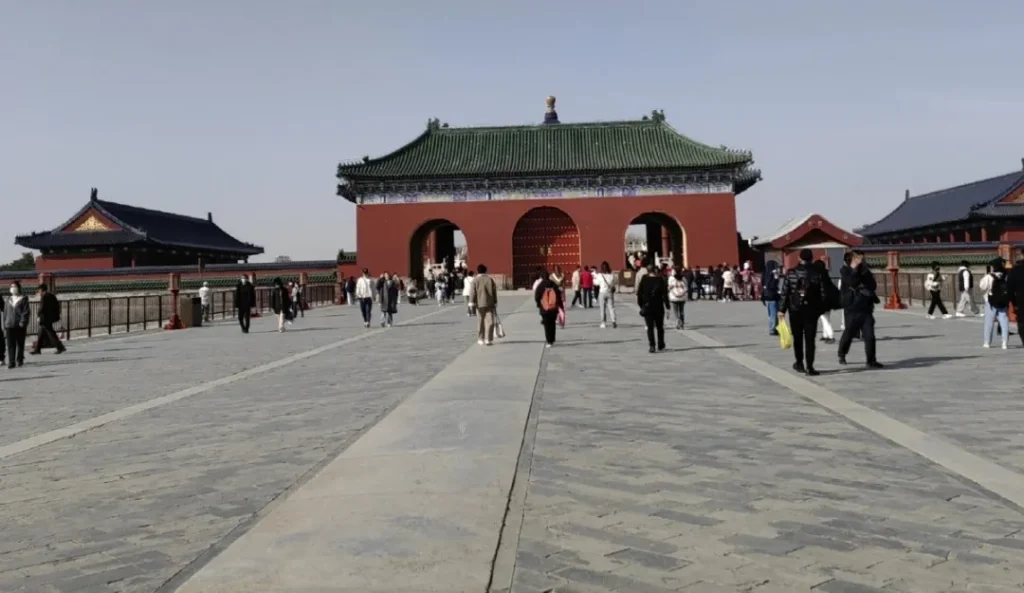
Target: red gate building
{"x":544,"y":195}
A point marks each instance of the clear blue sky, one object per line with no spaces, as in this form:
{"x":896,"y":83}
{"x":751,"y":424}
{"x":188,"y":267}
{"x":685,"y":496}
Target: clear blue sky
{"x":244,"y":108}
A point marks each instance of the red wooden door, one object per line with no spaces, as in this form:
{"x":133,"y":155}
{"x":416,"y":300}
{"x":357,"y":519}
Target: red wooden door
{"x":544,"y":237}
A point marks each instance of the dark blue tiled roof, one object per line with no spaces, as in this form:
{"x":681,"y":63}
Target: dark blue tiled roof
{"x":974,"y":245}
{"x":142,"y":225}
{"x":946,"y":205}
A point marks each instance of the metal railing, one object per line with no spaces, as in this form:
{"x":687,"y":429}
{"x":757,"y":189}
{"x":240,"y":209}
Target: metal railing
{"x":103,"y":316}
{"x":912,"y":290}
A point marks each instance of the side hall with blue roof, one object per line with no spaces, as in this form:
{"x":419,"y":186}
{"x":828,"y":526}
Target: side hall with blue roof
{"x":977,"y":211}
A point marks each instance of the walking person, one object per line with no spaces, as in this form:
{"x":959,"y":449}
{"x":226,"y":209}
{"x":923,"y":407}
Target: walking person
{"x":49,"y":314}
{"x":388,"y":299}
{"x":484,"y":299}
{"x":803,"y":297}
{"x":441,"y":289}
{"x":678,"y":293}
{"x":550,"y":301}
{"x":652,"y":297}
{"x":204,"y":300}
{"x":577,"y":295}
{"x":607,"y":282}
{"x":770,"y":294}
{"x":1016,"y":285}
{"x":364,"y":294}
{"x":996,"y":288}
{"x":280,"y":304}
{"x":15,"y":323}
{"x":933,"y":284}
{"x":298,"y":310}
{"x":728,"y":292}
{"x":245,"y":300}
{"x":467,"y":293}
{"x":350,"y":291}
{"x":859,"y":299}
{"x":587,"y":285}
{"x":828,"y":334}
{"x":964,"y":286}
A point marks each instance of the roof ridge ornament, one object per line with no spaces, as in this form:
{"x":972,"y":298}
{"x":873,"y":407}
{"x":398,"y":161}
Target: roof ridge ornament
{"x":433,"y":123}
{"x":93,"y":194}
{"x":906,"y":194}
{"x":550,"y":115}
{"x":658,"y":115}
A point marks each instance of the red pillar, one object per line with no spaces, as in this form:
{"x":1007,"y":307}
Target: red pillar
{"x":984,"y":235}
{"x":174,"y":285}
{"x":894,"y":301}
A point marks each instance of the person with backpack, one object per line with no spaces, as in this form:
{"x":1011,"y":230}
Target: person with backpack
{"x":803,"y":297}
{"x":652,"y":297}
{"x":996,"y":288}
{"x":549,"y":302}
{"x":933,"y":284}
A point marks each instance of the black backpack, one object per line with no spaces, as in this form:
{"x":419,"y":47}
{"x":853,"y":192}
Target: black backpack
{"x":999,"y":293}
{"x":807,"y":291}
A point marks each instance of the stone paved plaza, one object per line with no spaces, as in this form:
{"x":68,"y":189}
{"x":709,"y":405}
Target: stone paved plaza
{"x":332,"y":458}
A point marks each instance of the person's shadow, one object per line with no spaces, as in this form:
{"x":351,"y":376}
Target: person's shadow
{"x":925,"y":361}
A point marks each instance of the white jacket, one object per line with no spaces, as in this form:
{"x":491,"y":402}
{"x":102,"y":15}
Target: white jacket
{"x":606,"y":282}
{"x":204,"y":295}
{"x":933,"y":282}
{"x":677,"y":290}
{"x":985,"y":285}
{"x":467,"y":286}
{"x":728,"y":279}
{"x":364,"y":288}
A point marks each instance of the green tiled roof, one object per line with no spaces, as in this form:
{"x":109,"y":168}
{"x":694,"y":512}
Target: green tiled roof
{"x":648,"y":145}
{"x":925,"y":261}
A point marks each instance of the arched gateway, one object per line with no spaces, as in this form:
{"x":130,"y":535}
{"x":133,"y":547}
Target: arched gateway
{"x":544,"y":237}
{"x":504,"y":185}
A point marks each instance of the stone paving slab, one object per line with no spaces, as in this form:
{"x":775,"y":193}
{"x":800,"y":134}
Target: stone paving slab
{"x":938,"y":377}
{"x":685,"y":472}
{"x":97,"y":377}
{"x":125,"y":507}
{"x":417,"y":503}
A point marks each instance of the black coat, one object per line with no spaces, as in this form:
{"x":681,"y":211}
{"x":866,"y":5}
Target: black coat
{"x":1015,"y":283}
{"x":280,"y":300}
{"x":49,"y":309}
{"x":245,"y":296}
{"x":652,"y":294}
{"x":859,"y":289}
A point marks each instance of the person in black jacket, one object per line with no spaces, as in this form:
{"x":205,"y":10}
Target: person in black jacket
{"x":1015,"y":284}
{"x":770,"y":294}
{"x":803,"y":297}
{"x":652,"y":297}
{"x":245,"y":300}
{"x":49,"y":313}
{"x":859,"y":299}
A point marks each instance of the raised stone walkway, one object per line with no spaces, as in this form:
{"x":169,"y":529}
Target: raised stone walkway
{"x":333,"y":458}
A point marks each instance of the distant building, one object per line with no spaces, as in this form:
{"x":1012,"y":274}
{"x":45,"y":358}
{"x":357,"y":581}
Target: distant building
{"x":546,"y":195}
{"x":106,"y":234}
{"x":812,"y":231}
{"x":989,"y":210}
{"x":962,"y":223}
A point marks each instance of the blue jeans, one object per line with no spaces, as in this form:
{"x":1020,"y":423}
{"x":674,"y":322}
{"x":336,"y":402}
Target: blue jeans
{"x":773,"y":315}
{"x":991,"y":316}
{"x":366,"y":307}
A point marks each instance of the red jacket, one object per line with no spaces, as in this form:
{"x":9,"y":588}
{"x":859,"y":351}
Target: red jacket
{"x":586,"y":279}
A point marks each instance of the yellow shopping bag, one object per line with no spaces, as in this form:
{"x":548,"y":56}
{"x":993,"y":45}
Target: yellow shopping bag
{"x":785,"y":335}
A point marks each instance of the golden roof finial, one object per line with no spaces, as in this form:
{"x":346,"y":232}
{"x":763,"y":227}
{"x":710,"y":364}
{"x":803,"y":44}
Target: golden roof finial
{"x":551,"y":103}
